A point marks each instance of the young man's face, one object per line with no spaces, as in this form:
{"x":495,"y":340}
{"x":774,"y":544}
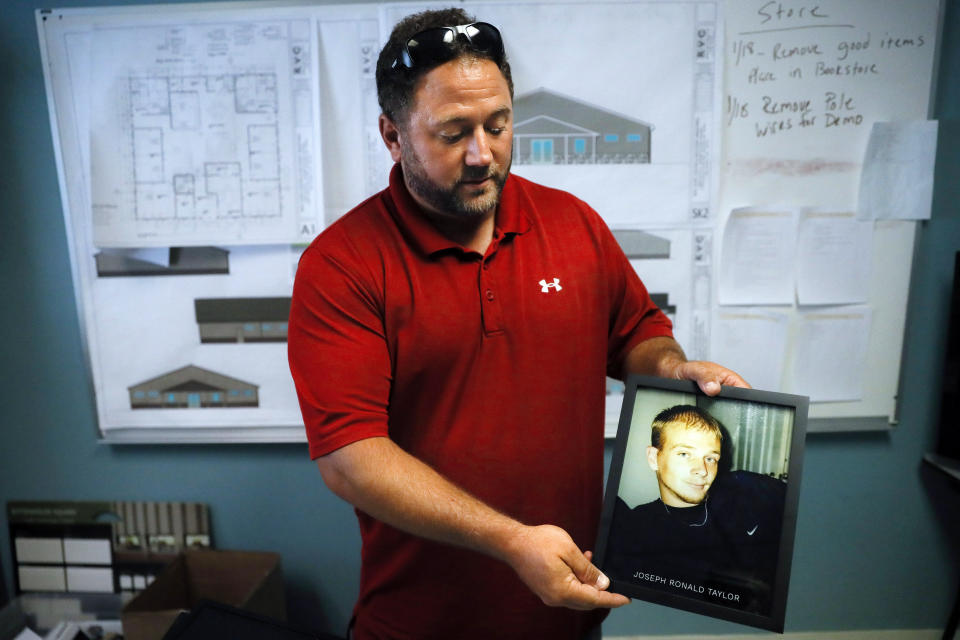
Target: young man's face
{"x":685,"y":463}
{"x":456,"y":144}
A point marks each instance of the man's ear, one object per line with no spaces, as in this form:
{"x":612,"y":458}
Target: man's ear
{"x":652,"y":457}
{"x":391,"y":136}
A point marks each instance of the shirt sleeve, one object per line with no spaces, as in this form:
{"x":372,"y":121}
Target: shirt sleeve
{"x":634,"y":317}
{"x":336,"y":346}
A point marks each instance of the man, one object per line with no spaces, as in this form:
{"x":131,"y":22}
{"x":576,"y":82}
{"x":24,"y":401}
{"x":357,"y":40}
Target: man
{"x":449,"y":340}
{"x":712,"y":535}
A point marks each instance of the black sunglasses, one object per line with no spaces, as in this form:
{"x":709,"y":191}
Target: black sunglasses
{"x":437,"y":44}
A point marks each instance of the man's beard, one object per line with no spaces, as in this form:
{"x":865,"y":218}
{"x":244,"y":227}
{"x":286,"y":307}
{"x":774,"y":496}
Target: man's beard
{"x":447,"y":200}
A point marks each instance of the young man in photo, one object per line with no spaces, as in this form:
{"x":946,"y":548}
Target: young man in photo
{"x":711,"y":535}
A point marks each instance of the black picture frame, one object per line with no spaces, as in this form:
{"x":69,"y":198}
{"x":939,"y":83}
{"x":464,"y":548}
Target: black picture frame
{"x":732,"y":562}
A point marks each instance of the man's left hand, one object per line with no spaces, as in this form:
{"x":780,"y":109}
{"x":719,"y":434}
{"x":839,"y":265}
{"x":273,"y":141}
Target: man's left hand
{"x":709,"y":376}
{"x":662,"y":356}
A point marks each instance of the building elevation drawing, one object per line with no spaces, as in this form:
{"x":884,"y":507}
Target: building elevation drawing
{"x":242,"y":319}
{"x":180,"y":261}
{"x":641,"y":245}
{"x":193,"y":387}
{"x":550,"y":128}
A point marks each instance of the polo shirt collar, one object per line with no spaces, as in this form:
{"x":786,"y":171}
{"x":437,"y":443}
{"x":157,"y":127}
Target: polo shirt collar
{"x":512,"y":218}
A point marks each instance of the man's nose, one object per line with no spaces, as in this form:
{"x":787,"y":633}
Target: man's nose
{"x":478,"y":149}
{"x":699,"y":468}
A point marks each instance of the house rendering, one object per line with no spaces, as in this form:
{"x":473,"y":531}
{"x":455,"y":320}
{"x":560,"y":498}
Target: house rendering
{"x":193,"y":387}
{"x":242,"y":319}
{"x":639,"y":245}
{"x":550,"y":128}
{"x":181,"y":261}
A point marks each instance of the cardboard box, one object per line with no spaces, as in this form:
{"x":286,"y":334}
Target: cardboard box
{"x":249,"y":580}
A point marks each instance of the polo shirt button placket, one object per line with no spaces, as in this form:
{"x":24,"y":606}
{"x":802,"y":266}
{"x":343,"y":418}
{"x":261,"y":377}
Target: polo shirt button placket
{"x":490,"y":307}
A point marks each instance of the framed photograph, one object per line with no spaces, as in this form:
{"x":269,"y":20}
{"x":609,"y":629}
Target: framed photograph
{"x":701,"y":504}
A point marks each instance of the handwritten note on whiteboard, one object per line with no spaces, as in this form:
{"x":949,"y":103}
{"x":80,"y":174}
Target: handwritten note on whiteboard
{"x":804,"y":83}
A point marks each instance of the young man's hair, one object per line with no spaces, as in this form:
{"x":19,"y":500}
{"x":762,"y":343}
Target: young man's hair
{"x":687,"y":416}
{"x":395,"y":86}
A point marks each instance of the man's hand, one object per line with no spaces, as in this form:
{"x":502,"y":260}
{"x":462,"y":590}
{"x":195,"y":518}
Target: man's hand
{"x":663,"y":357}
{"x":551,"y":565}
{"x":379,"y":478}
{"x":709,"y":376}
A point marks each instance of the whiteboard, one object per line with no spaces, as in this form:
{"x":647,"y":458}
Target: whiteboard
{"x":804,"y":84}
{"x":349,"y":164}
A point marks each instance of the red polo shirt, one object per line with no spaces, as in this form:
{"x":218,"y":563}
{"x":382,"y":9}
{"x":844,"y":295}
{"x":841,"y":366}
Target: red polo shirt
{"x":490,"y":368}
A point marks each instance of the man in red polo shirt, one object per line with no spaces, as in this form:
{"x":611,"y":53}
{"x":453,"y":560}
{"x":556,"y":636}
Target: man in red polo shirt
{"x":449,"y":339}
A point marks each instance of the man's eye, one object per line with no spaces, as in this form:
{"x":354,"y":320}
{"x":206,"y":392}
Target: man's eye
{"x":451,"y":137}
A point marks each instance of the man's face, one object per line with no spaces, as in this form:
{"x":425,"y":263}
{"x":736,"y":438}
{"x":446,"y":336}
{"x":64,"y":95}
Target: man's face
{"x":456,"y":144}
{"x":685,"y":463}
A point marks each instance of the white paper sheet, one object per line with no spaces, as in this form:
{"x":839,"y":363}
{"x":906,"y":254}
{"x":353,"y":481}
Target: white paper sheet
{"x":204,"y":132}
{"x":805,"y":83}
{"x":356,"y":163}
{"x":834,"y":255}
{"x":752,"y":342}
{"x":756,"y":258}
{"x":830,"y":353}
{"x":897,"y":177}
{"x":116,"y":318}
{"x":126,"y":313}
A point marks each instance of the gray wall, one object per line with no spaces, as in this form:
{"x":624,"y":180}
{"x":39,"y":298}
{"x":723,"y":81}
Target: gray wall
{"x":872,"y":546}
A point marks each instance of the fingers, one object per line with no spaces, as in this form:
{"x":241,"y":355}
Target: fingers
{"x":584,"y":598}
{"x":592,"y":585}
{"x":555,"y":569}
{"x":709,"y":376}
{"x":586,"y":572}
{"x":588,"y":585}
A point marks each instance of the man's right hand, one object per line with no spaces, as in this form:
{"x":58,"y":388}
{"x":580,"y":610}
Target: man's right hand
{"x":553,"y":567}
{"x":382,"y":480}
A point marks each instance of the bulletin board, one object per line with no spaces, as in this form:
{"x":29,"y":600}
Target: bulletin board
{"x":195,"y":167}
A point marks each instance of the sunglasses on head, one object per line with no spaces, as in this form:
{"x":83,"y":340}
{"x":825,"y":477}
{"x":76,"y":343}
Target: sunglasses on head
{"x":438,"y":44}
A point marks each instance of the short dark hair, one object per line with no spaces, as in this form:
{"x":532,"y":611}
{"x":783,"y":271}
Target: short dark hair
{"x":395,"y":86}
{"x":687,"y":415}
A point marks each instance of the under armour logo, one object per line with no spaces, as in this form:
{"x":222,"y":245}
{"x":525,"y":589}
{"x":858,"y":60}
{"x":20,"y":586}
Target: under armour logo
{"x":546,"y":286}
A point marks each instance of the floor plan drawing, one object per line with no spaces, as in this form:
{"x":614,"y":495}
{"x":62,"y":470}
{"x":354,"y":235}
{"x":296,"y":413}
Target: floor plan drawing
{"x":203,"y":131}
{"x":167,"y":111}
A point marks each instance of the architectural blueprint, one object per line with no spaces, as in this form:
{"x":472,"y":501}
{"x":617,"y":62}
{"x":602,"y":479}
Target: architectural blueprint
{"x":355,"y":160}
{"x":204,"y":132}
